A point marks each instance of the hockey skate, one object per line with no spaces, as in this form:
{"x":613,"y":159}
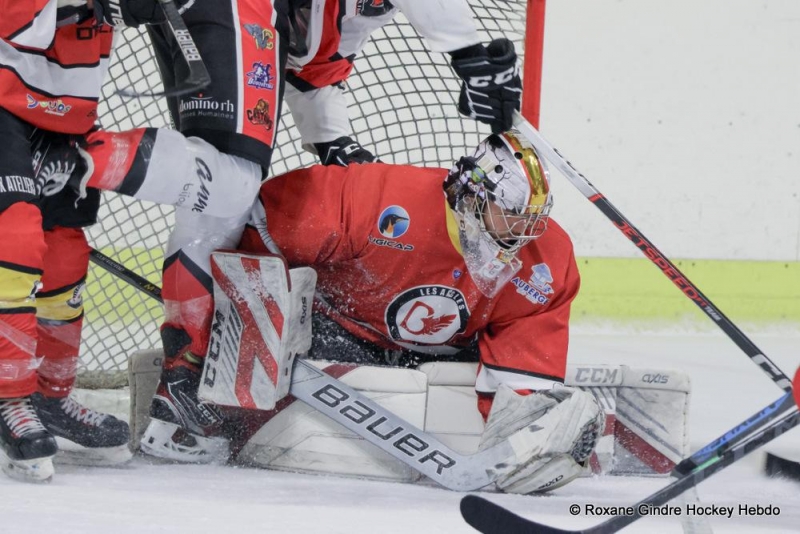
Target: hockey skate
{"x":26,"y":447}
{"x":84,"y":436}
{"x":182,"y":428}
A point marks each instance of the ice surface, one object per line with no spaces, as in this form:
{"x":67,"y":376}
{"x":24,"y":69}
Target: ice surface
{"x":143,"y":497}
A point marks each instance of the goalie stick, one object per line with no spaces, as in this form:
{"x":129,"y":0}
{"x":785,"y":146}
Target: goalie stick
{"x":653,"y":254}
{"x":198,"y":74}
{"x":490,"y":518}
{"x":366,"y":418}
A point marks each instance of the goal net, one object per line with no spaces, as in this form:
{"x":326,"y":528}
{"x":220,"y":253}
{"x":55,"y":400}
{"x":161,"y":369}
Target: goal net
{"x":402,"y":107}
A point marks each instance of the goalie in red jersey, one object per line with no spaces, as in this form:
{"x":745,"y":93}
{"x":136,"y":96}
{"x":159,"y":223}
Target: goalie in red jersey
{"x":413,"y":265}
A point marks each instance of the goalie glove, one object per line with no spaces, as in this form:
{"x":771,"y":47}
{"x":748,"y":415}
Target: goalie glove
{"x":343,"y":151}
{"x":492,"y":88}
{"x":552,"y":433}
{"x":127,"y":13}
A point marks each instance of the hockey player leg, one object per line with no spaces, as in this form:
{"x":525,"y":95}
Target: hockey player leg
{"x":84,"y":436}
{"x":552,"y":434}
{"x":158,"y":165}
{"x":26,"y":448}
{"x":182,"y":427}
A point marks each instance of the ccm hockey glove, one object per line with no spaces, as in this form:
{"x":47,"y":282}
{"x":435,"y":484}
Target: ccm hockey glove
{"x":492,"y":88}
{"x":343,"y":151}
{"x":124,"y":13}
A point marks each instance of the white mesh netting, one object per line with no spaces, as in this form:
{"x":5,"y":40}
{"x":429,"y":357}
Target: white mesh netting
{"x":402,"y":107}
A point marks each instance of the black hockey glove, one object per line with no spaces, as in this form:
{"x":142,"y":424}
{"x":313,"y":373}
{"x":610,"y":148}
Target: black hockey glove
{"x":492,"y":88}
{"x":343,"y":151}
{"x":133,"y":12}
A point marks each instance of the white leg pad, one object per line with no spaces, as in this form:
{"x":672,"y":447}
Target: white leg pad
{"x":261,"y":321}
{"x":298,"y":438}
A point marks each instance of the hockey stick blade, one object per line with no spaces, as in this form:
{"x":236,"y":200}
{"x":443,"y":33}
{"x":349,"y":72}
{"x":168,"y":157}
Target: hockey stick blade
{"x":198,"y":74}
{"x":490,"y":518}
{"x":546,"y":150}
{"x":402,"y":440}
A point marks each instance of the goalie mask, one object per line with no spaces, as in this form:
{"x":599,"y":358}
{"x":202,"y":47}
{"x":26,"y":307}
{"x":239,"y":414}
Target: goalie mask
{"x":501,"y":199}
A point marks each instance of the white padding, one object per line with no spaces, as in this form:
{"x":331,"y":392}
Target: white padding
{"x":144,"y":370}
{"x":452,"y":412}
{"x":301,"y":439}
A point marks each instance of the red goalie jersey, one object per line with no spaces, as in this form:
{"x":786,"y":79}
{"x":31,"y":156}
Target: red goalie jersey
{"x":51,"y":76}
{"x":384,"y":244}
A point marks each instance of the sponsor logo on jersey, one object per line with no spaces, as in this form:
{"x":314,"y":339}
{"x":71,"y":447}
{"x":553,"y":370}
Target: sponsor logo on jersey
{"x":427,"y":315}
{"x":373,"y":8}
{"x":203,"y":195}
{"x":393,"y":222}
{"x":15,"y":183}
{"x":259,"y":115}
{"x":265,"y":39}
{"x":206,"y":106}
{"x":537,"y":287}
{"x":54,"y":107}
{"x":260,"y":77}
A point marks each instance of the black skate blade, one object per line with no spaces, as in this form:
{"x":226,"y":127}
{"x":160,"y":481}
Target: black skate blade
{"x":780,"y":465}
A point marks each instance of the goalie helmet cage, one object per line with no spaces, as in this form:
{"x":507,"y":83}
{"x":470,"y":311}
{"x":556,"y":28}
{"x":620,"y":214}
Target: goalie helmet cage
{"x":402,"y":107}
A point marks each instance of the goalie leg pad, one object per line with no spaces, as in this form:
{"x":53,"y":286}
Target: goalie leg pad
{"x":298,"y":438}
{"x":260,"y":324}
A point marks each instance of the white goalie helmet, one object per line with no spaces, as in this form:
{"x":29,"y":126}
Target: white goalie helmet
{"x":501,"y":199}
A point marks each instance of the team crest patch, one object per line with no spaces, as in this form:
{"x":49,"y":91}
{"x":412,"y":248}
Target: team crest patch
{"x":537,"y":287}
{"x":374,"y":8}
{"x":261,"y":76}
{"x":265,"y":39}
{"x":260,"y":114}
{"x":427,"y":315}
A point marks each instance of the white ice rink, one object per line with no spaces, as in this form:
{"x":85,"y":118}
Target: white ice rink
{"x":142,"y":497}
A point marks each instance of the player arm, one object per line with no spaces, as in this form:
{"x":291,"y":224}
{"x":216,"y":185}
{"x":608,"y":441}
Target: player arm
{"x":552,"y":429}
{"x":529,"y":352}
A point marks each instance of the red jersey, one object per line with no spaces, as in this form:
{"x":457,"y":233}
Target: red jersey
{"x":51,"y":77}
{"x":385,"y":247}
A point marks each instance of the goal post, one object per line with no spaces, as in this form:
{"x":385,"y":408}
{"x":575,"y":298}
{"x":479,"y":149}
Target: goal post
{"x":402,"y":107}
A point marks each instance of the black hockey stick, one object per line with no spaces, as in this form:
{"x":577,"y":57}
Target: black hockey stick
{"x":489,"y":518}
{"x":119,"y":270}
{"x":198,"y":74}
{"x":653,"y":254}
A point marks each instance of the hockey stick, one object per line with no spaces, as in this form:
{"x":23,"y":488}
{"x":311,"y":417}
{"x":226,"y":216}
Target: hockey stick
{"x":366,"y":418}
{"x":489,"y":518}
{"x":119,"y":270}
{"x":198,"y":74}
{"x":653,"y":254}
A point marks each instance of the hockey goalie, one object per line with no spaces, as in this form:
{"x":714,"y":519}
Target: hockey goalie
{"x":412,"y":266}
